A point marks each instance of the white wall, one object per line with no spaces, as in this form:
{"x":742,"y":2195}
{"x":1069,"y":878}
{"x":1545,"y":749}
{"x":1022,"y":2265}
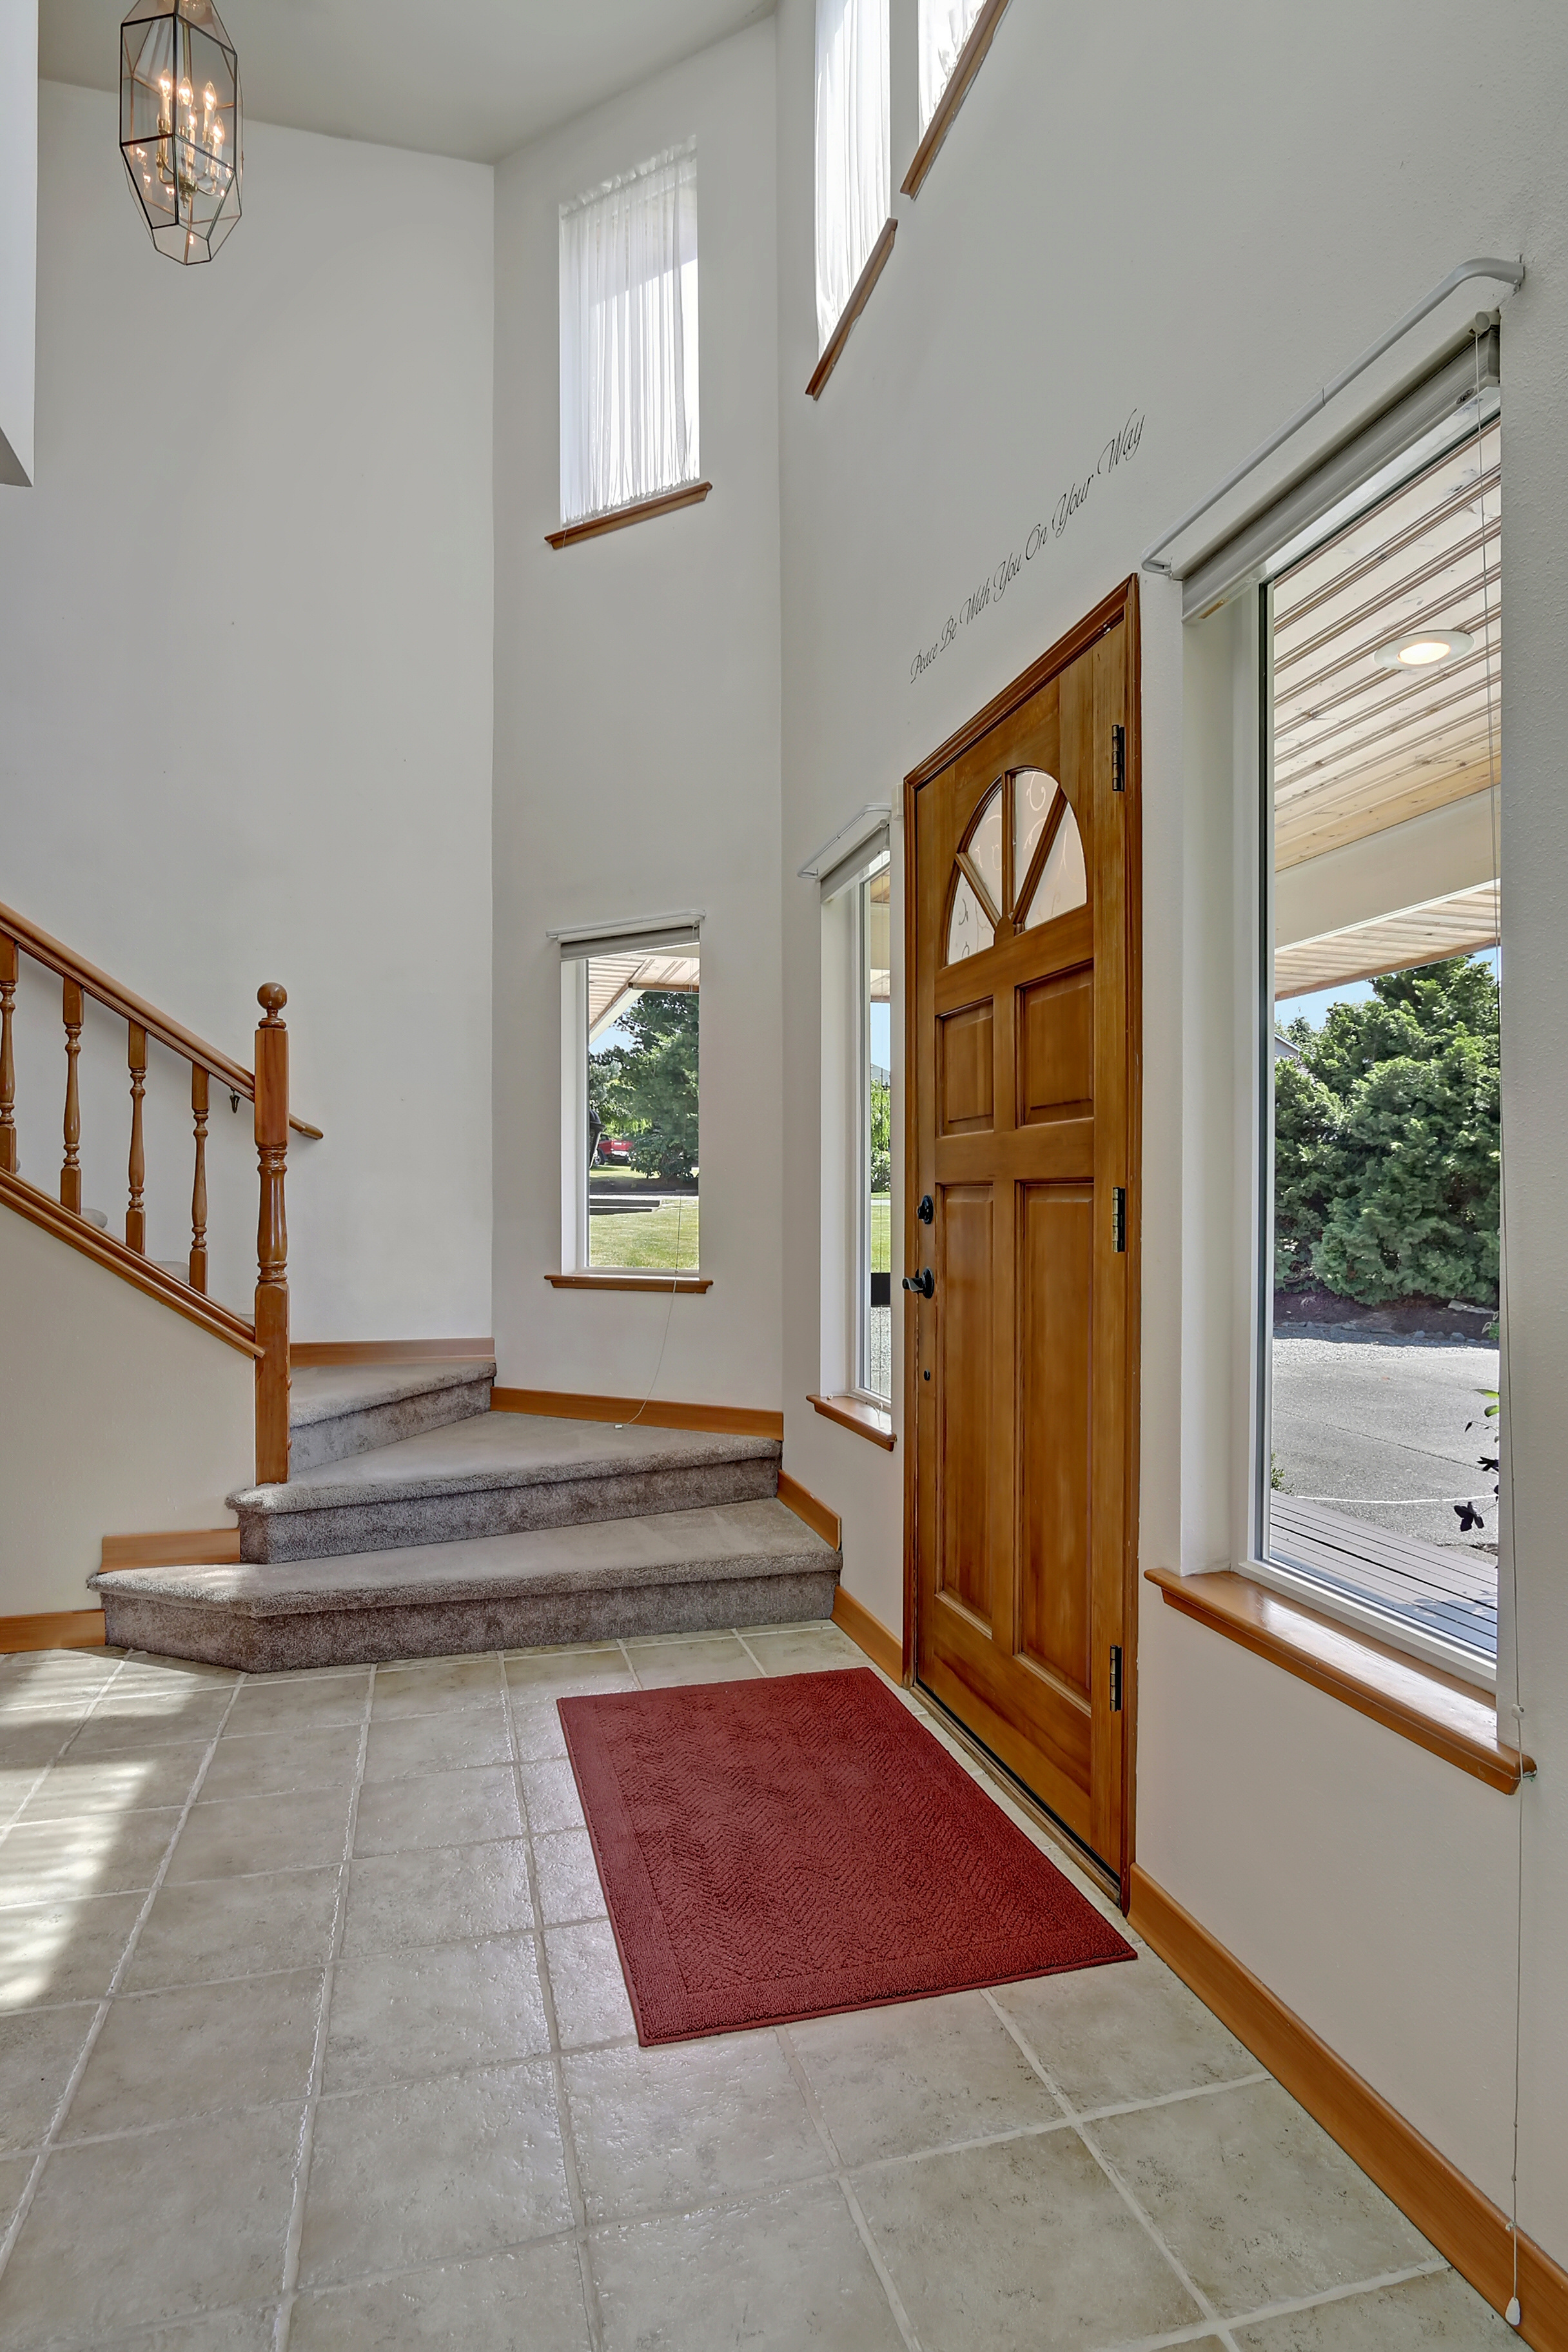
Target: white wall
{"x":1194,"y":214}
{"x":116,"y":1417}
{"x":244,"y":664}
{"x":18,"y":233}
{"x":638,"y":747}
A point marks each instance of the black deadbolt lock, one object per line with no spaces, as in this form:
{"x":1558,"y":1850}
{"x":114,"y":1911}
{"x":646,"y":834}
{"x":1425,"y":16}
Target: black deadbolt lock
{"x":926,"y":1210}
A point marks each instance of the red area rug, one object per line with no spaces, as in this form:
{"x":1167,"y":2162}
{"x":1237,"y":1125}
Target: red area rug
{"x":778,"y":1850}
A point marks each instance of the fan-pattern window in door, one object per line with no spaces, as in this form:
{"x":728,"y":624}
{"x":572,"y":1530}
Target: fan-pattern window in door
{"x":1021,"y":864}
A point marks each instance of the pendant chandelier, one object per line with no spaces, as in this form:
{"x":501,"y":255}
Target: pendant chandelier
{"x":179,"y":124}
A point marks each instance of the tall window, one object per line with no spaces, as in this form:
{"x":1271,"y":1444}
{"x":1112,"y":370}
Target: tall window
{"x":872,"y":1221}
{"x":853,"y":147}
{"x":633,"y":1158}
{"x":944,"y":26}
{"x":628,"y":337}
{"x":1383,"y":645}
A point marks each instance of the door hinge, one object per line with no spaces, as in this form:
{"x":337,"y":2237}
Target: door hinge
{"x":1116,"y":1678}
{"x":1119,"y":1219}
{"x":1118,"y":759}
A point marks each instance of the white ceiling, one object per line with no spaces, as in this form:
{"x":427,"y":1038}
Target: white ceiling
{"x":469,"y":78}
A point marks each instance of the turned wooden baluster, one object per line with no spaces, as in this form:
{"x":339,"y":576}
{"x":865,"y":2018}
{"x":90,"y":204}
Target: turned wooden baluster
{"x":272,"y":1240}
{"x":8,"y":1062}
{"x":199,"y":1186}
{"x":135,"y":1214}
{"x":71,"y":1174}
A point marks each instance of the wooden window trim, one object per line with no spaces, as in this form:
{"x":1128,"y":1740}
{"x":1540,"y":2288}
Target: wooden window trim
{"x":661,"y":1285}
{"x":876,"y":262}
{"x":691,"y":494}
{"x":854,"y":1412}
{"x":970,"y":59}
{"x":1449,"y":1718}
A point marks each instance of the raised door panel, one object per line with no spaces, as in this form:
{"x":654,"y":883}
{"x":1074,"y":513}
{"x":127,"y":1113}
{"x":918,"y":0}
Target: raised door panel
{"x":966,"y":1071}
{"x":1055,"y":1048}
{"x":1055,"y":1265}
{"x":967,"y":1288}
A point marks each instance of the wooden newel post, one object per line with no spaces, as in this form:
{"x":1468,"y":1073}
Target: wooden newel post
{"x":272,"y":1240}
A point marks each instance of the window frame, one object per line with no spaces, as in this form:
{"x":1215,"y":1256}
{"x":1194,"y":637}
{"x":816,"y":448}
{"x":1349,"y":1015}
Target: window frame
{"x":858,"y":1156}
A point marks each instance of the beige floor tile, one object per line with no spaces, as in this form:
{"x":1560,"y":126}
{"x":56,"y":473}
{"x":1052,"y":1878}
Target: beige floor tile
{"x":530,"y":2300}
{"x":430,"y":2172}
{"x":539,"y":1735}
{"x":443,"y":1808}
{"x":919,"y":2075}
{"x":411,"y":1746}
{"x":235,"y":1927}
{"x":15,"y":2173}
{"x":550,"y":1792}
{"x":198,"y":2050}
{"x":180,"y":2221}
{"x":783,"y":2273}
{"x":276,"y":1763}
{"x":303,"y":1704}
{"x":63,"y":1951}
{"x":235,"y":1837}
{"x":440,"y":1896}
{"x":119,"y":1784}
{"x":215,"y":2331}
{"x":705,"y":1658}
{"x":587,"y":1986}
{"x":123,"y":1735}
{"x":566,"y":1674}
{"x":1441,"y":2313}
{"x":687,"y":2123}
{"x":141,"y":1670}
{"x":434,"y":2011}
{"x":803,"y":1649}
{"x":1253,"y":2199}
{"x":193,"y":1710}
{"x":38,"y":2047}
{"x":569,"y":1885}
{"x":1018,"y":2246}
{"x":104,"y":1854}
{"x":430,"y":1689}
{"x":1130,"y":2031}
{"x":32,"y":1742}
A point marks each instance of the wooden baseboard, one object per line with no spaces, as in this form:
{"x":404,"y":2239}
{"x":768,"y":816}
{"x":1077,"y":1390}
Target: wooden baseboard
{"x":389,"y":1351}
{"x":804,"y":1505}
{"x":563,"y":1404}
{"x":883,"y":1649}
{"x":63,"y":1629}
{"x":179,"y":1547}
{"x":1461,"y":2222}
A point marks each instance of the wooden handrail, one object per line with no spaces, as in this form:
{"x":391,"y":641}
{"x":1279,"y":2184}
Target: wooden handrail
{"x":142,"y":1272}
{"x":135,"y":1009}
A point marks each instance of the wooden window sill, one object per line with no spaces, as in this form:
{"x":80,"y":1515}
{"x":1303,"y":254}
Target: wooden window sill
{"x":876,"y":262}
{"x":660,"y":1284}
{"x":691,"y":494}
{"x":854,"y":1412}
{"x":1449,"y":1718}
{"x":970,"y":59}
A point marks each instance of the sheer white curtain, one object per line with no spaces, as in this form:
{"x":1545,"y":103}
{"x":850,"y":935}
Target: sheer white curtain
{"x":628,"y":337}
{"x":944,"y":26}
{"x":853,"y":147}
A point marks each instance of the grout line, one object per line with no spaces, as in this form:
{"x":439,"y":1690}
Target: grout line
{"x":588,"y":2283}
{"x":749,"y":1650}
{"x":626,"y":1660}
{"x":1077,"y":2122}
{"x":1199,"y":2329}
{"x":62,"y":2109}
{"x":43,"y":1770}
{"x":283,"y":2319}
{"x":840,"y":2175}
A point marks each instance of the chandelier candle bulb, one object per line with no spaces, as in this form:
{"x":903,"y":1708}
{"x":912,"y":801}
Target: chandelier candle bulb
{"x":183,"y":154}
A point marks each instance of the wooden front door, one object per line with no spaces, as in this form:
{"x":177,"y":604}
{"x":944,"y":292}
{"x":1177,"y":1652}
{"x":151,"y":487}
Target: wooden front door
{"x":1021,"y":1362}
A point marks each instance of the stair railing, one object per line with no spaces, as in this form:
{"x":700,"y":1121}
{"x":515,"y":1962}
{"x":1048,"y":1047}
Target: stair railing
{"x":263,"y":1336}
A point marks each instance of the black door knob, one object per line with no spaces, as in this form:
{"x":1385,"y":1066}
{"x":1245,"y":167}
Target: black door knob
{"x":924,"y":1282}
{"x":927,"y":1209}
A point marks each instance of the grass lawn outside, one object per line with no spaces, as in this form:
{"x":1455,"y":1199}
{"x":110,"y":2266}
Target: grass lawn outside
{"x":661,"y":1240}
{"x":881,"y":1233}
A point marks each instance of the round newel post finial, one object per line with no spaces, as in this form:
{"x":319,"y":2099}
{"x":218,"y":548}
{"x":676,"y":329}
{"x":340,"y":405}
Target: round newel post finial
{"x":272,"y":996}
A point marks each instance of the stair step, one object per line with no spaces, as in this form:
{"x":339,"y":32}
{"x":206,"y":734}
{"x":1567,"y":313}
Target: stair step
{"x":339,"y":1410}
{"x":493,"y":1474}
{"x":751,"y":1563}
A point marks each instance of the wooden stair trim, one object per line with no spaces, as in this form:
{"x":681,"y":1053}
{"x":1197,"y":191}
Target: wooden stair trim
{"x":303,"y":1354}
{"x":717,"y":1420}
{"x":1461,"y":2221}
{"x":174,"y":1548}
{"x":142,"y":1272}
{"x":59,"y":1629}
{"x":804,"y":1505}
{"x":867,"y":1633}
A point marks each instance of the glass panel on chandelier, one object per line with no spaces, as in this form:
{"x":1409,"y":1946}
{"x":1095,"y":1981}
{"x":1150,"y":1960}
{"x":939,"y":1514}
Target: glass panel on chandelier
{"x":1379,"y":1482}
{"x":179,"y":127}
{"x":629,"y":339}
{"x":642,"y":1104}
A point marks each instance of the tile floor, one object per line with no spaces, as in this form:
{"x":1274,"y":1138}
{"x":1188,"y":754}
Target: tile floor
{"x":313,"y":2035}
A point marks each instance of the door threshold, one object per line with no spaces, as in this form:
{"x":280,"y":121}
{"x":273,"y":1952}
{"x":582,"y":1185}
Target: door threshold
{"x":1043,"y":1820}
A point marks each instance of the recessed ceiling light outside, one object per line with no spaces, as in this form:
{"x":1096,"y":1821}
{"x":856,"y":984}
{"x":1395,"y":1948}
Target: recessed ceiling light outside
{"x":1422,"y":649}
